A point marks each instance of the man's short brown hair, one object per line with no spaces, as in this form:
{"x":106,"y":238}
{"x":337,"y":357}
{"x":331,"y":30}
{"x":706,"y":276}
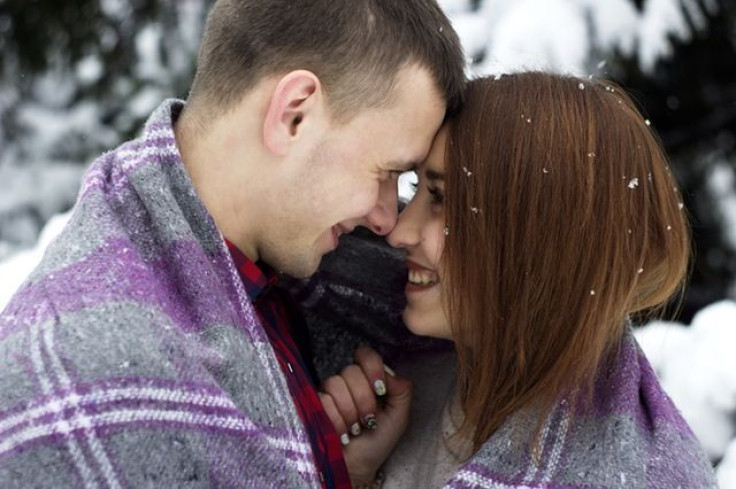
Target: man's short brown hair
{"x":355,"y":47}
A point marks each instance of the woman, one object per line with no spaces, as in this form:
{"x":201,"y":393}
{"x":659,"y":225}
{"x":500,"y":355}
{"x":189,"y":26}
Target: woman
{"x":545,"y":217}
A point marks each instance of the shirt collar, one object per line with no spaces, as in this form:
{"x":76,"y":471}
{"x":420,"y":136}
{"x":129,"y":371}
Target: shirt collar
{"x":258,"y":278}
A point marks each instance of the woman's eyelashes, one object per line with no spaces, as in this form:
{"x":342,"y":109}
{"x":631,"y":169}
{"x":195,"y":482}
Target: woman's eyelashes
{"x":438,"y":197}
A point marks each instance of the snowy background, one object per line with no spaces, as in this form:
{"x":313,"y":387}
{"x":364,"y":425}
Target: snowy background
{"x":77,"y":78}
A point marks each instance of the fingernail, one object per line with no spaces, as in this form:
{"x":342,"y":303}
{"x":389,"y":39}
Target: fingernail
{"x":344,"y":439}
{"x":355,"y":429}
{"x":380,"y":387}
{"x":370,"y":422}
{"x":389,"y":370}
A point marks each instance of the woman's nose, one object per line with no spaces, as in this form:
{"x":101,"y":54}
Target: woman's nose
{"x":406,"y":232}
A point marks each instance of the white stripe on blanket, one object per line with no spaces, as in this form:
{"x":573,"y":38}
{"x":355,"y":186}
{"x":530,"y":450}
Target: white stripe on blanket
{"x":560,"y":438}
{"x":482,"y":482}
{"x":98,"y":451}
{"x":99,"y":398}
{"x":76,"y":453}
{"x":127,"y":416}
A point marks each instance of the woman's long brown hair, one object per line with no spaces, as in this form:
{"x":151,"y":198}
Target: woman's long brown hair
{"x":563,"y":220}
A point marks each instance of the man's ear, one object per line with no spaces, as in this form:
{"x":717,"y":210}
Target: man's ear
{"x":296,"y":97}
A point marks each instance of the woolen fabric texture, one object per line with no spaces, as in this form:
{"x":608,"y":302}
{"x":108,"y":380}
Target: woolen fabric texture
{"x":132,"y":357}
{"x":631,"y":436}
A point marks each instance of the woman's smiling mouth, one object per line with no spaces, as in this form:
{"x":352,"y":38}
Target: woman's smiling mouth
{"x":419,"y":277}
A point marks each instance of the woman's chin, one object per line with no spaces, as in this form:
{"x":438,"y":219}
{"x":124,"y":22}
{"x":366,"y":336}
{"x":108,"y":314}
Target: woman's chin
{"x":426,"y":325}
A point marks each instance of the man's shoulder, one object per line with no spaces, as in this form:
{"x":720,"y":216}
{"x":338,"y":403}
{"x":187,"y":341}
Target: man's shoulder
{"x":103,"y":356}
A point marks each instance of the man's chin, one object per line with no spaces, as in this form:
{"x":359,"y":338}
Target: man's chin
{"x":303,"y":269}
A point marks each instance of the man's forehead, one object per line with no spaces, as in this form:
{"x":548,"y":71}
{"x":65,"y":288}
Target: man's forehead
{"x":418,"y":154}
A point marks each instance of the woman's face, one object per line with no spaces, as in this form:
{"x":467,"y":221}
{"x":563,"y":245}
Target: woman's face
{"x":421,"y":232}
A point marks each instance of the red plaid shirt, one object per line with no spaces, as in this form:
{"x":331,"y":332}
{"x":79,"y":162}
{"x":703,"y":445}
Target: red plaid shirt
{"x":287,"y":332}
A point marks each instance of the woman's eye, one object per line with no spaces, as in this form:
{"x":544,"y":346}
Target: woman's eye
{"x":437,"y":196}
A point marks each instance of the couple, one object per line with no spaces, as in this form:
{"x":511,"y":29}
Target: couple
{"x":150,"y":348}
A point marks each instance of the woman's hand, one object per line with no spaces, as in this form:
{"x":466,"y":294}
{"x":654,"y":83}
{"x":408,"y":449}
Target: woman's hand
{"x":369,"y":407}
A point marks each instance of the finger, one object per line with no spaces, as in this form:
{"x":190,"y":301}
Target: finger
{"x":399,"y":390}
{"x":362,"y":393}
{"x":372,"y":364}
{"x":397,"y":404}
{"x":335,"y":418}
{"x":336,"y":387}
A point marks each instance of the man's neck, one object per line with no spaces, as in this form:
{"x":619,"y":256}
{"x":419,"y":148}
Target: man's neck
{"x":231,"y":198}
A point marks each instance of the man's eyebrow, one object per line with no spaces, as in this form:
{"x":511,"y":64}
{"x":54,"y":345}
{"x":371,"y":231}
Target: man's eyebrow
{"x":405,"y":166}
{"x":434,"y":175}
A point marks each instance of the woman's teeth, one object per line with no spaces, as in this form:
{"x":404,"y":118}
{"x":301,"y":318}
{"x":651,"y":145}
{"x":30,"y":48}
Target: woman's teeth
{"x":422,"y":277}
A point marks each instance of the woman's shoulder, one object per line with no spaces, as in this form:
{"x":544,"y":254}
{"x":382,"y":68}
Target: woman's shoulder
{"x":630,"y":434}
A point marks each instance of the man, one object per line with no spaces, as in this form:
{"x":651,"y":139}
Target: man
{"x":147,"y":349}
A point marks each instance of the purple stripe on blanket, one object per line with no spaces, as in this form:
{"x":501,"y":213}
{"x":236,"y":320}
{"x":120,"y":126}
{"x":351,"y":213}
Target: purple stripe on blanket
{"x":659,"y":407}
{"x":615,"y":388}
{"x":631,"y":389}
{"x":459,"y":485}
{"x":158,"y":126}
{"x":117,"y":273}
{"x":101,"y":182}
{"x":18,"y":314}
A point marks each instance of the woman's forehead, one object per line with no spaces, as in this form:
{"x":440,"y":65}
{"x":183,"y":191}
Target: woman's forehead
{"x":434,"y":165}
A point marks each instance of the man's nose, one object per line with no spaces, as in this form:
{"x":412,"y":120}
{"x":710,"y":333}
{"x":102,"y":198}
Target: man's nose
{"x":382,"y":218}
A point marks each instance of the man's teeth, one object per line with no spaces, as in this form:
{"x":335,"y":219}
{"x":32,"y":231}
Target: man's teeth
{"x":422,"y":277}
